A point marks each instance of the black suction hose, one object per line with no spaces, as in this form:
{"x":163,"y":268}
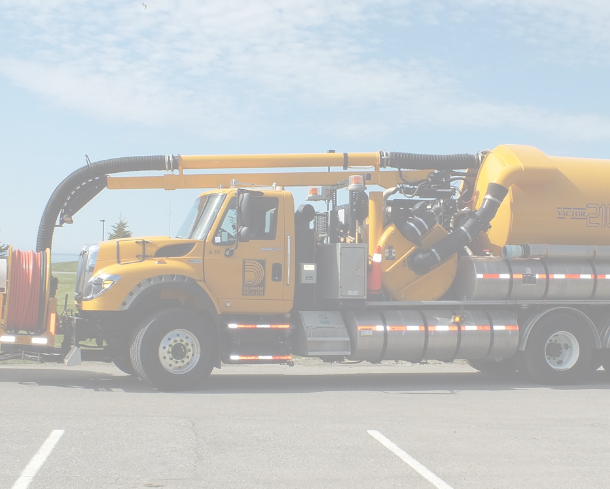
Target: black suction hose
{"x":422,"y":261}
{"x":413,"y":161}
{"x":89,"y":172}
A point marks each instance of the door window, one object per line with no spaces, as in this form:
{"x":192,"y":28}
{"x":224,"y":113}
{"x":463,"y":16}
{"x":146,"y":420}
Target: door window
{"x":227,"y":229}
{"x":266,"y":211}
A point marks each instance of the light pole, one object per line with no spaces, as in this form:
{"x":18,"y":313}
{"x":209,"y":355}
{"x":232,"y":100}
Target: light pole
{"x":103,"y":221}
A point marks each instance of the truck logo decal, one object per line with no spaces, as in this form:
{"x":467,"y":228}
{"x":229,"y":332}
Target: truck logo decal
{"x":254,"y":278}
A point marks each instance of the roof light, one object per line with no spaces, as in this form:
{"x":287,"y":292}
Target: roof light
{"x":356,"y":182}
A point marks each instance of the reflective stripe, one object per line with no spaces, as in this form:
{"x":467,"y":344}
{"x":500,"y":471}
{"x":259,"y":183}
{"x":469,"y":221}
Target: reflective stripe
{"x":506,"y":328}
{"x":603,"y":277}
{"x":258,"y":326}
{"x":377,"y":258}
{"x":558,"y":276}
{"x":406,"y":328}
{"x":371,"y":328}
{"x":475,"y":328}
{"x":443,"y":328}
{"x":260,"y":357}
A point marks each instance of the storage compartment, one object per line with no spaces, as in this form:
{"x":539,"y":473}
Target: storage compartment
{"x":323,"y":333}
{"x":342,"y":271}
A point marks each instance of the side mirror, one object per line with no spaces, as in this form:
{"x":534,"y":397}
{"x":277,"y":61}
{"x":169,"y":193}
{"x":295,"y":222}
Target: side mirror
{"x":247,"y":207}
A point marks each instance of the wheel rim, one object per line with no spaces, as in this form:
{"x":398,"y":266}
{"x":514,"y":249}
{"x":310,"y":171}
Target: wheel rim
{"x":179,"y":351}
{"x":562,"y":350}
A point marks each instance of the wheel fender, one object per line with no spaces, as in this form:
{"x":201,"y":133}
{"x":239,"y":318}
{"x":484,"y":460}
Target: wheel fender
{"x":172,"y":281}
{"x":532,"y":321}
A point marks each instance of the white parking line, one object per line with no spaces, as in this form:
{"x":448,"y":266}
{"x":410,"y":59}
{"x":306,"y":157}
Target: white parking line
{"x":415,"y":465}
{"x":38,"y":460}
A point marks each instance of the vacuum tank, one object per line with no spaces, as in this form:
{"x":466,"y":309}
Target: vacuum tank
{"x":551,"y":199}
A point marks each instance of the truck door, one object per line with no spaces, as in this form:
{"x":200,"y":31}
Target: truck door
{"x":252,"y":277}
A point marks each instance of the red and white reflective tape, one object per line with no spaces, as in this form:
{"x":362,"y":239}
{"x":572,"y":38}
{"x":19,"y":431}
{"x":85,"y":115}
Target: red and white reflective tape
{"x":371,"y":328}
{"x":493,"y":275}
{"x":555,"y":276}
{"x":406,"y":328}
{"x":508,"y":327}
{"x":260,"y":357}
{"x":258,"y":326}
{"x":442,"y":327}
{"x":450,"y":327}
{"x":475,"y":328}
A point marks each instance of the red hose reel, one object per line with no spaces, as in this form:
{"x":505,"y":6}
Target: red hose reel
{"x":27,"y":292}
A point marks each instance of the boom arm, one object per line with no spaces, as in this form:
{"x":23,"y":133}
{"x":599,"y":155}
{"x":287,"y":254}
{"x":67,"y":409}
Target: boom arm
{"x":65,"y":202}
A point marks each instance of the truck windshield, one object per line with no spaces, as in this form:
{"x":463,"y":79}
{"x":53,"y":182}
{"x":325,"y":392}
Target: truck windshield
{"x":200,"y":218}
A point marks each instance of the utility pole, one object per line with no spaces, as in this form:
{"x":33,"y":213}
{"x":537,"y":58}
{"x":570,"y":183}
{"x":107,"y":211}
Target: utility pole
{"x":103,"y":221}
{"x":169,"y":225}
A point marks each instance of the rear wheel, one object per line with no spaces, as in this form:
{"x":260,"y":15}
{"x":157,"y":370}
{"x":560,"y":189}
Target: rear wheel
{"x":499,"y":366}
{"x":174,"y":350}
{"x":559,"y":350}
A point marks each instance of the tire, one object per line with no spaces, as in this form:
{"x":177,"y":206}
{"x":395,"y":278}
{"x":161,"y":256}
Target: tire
{"x":559,"y":350}
{"x":123,"y":363}
{"x":174,"y":350}
{"x":504,"y":367}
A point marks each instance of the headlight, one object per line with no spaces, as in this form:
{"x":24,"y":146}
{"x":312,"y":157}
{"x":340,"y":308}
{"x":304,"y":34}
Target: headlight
{"x":98,"y":285}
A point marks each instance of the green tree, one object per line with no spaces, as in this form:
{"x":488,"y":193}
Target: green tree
{"x":3,"y":249}
{"x":120,"y":230}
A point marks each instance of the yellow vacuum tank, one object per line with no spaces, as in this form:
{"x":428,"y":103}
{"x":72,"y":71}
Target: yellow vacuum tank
{"x":551,"y":199}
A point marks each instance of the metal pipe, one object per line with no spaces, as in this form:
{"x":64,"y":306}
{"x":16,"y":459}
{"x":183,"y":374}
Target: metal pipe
{"x":422,"y":261}
{"x":555,"y":251}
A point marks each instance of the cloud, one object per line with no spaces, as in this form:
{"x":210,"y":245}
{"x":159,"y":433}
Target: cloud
{"x":239,"y":66}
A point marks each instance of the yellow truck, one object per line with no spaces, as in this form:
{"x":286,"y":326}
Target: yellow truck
{"x":501,"y":258}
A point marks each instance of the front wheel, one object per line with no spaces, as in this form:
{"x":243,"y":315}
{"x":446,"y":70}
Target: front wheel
{"x":559,"y":350}
{"x":174,"y":350}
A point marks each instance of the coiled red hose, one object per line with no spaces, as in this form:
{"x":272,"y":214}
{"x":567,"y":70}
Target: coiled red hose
{"x":24,"y":296}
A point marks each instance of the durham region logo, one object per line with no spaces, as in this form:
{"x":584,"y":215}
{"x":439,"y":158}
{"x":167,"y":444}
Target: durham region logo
{"x":254,"y":278}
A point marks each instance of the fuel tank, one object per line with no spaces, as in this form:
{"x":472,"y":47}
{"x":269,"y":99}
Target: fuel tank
{"x":496,"y":278}
{"x":551,"y":199}
{"x":413,"y":335}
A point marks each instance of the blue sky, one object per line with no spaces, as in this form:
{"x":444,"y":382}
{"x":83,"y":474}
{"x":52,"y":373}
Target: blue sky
{"x":112,"y":78}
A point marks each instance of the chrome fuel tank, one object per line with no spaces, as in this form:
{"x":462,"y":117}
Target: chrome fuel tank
{"x":431,"y":335}
{"x":496,"y":278}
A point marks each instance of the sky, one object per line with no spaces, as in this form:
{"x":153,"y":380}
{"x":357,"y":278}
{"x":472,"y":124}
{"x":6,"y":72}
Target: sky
{"x":116,"y":78}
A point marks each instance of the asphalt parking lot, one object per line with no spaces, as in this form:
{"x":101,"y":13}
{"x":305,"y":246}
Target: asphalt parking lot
{"x":312,"y":425}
